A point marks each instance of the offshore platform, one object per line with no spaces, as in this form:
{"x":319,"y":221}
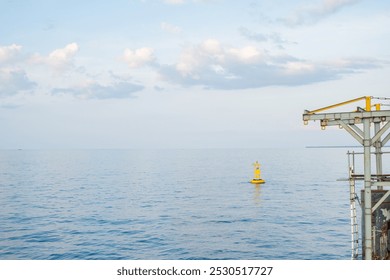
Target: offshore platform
{"x":368,"y":125}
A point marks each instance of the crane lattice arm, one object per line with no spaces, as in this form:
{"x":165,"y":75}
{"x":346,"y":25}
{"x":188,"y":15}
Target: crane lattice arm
{"x":367,"y":98}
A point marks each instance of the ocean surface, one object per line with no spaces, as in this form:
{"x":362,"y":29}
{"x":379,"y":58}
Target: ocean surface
{"x":174,"y":204}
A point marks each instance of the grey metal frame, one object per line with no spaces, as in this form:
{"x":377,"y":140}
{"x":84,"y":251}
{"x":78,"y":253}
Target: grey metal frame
{"x":350,"y":121}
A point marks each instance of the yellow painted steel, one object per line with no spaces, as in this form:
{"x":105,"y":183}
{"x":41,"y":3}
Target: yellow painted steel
{"x":368,"y":103}
{"x":257,"y":174}
{"x":378,"y":107}
{"x":366,"y":98}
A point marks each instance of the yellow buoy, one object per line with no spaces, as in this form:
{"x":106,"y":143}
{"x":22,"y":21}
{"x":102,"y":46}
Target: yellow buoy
{"x":257,"y":178}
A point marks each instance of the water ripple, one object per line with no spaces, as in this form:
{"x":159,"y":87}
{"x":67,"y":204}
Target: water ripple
{"x":173,"y":204}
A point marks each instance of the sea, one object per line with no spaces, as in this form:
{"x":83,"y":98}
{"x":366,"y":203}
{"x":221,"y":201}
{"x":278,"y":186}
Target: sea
{"x":173,"y":204}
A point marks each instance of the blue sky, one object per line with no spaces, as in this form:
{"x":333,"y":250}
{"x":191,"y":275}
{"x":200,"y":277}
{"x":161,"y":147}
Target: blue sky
{"x":185,"y":73}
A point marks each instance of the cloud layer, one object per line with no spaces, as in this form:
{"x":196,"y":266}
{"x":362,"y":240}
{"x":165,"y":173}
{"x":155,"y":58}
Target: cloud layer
{"x":95,"y":90}
{"x":138,"y":57}
{"x":15,"y":67}
{"x":311,"y":13}
{"x":8,"y":53}
{"x":13,"y":78}
{"x":273,"y":37}
{"x":210,"y":64}
{"x":214,"y":65}
{"x":14,"y":81}
{"x":59,"y":59}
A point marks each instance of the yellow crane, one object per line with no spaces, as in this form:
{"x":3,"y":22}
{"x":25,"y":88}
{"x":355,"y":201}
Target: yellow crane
{"x":369,"y":128}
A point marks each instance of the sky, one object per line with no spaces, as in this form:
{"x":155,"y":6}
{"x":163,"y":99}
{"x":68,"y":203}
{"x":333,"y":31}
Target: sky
{"x":146,"y":74}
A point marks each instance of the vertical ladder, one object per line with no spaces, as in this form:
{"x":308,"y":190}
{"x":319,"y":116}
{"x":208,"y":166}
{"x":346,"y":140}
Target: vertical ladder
{"x":353,"y":197}
{"x":354,"y":227}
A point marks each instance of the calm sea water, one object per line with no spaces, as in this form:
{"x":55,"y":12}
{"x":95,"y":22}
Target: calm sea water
{"x":173,"y":204}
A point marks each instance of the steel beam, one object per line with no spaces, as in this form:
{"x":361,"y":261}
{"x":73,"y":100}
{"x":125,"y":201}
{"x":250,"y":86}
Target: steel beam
{"x":378,"y":147}
{"x":376,"y":184}
{"x":357,"y":130}
{"x":367,"y":190}
{"x":351,"y":131}
{"x":387,"y":138}
{"x":351,"y":116}
{"x":380,"y":132}
{"x":386,"y":195}
{"x":367,"y":98}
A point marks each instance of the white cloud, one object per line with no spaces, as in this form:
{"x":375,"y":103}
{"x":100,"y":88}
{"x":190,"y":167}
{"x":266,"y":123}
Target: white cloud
{"x":330,"y":6}
{"x":64,"y":55}
{"x":246,"y":55}
{"x":212,"y":53}
{"x":94,"y":90}
{"x":14,"y":81}
{"x":299,"y":67}
{"x":194,"y":58}
{"x":273,"y":37}
{"x":357,"y":63}
{"x":170,"y":28}
{"x":107,"y":85}
{"x":139,"y":57}
{"x":214,"y":65}
{"x":188,"y":62}
{"x":312,"y":13}
{"x":211,"y":46}
{"x":59,"y":59}
{"x":258,"y":37}
{"x":13,"y":77}
{"x":9,"y":52}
